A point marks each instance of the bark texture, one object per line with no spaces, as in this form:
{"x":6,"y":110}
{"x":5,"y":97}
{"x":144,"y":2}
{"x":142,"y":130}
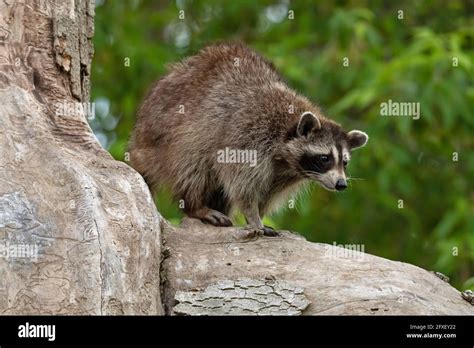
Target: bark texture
{"x":87,"y":222}
{"x":211,"y":270}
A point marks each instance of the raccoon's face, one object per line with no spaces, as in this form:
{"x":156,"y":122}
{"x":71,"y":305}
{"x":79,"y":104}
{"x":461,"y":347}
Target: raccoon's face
{"x":321,"y":151}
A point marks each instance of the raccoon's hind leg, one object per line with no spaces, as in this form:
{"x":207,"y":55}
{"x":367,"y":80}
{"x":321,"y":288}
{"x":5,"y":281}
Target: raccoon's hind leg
{"x":215,"y":211}
{"x":211,"y":216}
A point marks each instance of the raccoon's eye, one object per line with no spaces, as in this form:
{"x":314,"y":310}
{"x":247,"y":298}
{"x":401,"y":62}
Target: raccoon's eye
{"x":324,"y":158}
{"x":345,"y":163}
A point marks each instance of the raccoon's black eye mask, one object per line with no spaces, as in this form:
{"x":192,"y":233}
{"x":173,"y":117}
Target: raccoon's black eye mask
{"x":319,"y":163}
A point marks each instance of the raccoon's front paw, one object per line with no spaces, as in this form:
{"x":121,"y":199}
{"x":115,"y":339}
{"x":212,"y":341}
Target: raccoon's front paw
{"x":265,"y":230}
{"x":214,"y":217}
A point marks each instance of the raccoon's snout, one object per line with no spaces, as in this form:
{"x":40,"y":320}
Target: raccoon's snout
{"x":341,"y":185}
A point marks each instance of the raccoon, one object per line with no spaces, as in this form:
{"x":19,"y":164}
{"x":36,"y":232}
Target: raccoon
{"x":229,"y":98}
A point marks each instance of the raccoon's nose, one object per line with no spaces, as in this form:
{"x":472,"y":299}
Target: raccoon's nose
{"x":341,"y":185}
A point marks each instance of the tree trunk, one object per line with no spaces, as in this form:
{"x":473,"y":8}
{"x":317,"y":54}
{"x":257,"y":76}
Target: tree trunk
{"x":79,"y":232}
{"x":84,"y":224}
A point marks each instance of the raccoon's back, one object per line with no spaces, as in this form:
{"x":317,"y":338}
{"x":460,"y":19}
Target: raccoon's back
{"x":220,"y":75}
{"x":206,"y":89}
{"x":218,"y":98}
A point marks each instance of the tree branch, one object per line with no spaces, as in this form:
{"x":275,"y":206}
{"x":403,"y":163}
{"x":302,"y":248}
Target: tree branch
{"x":205,"y":267}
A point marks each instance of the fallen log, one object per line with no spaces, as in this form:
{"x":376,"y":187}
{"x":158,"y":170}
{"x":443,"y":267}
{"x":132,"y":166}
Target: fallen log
{"x":209,"y":270}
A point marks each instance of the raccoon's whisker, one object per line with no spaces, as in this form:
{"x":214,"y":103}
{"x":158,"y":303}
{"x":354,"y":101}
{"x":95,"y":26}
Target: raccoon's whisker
{"x":352,"y":178}
{"x":312,"y":173}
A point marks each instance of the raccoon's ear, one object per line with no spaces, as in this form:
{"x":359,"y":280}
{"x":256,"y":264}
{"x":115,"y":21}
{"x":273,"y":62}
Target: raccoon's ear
{"x":357,"y":139}
{"x":307,"y":123}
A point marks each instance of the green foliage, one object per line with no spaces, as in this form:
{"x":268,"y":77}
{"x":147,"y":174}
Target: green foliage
{"x":407,"y":60}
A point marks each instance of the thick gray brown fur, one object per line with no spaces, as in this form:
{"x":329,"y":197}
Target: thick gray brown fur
{"x":228,"y":96}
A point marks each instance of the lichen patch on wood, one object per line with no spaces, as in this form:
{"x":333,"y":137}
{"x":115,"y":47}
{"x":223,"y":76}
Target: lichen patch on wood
{"x":243,"y":297}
